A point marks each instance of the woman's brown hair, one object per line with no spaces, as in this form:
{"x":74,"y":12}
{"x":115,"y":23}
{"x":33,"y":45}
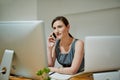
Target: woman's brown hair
{"x":63,"y":19}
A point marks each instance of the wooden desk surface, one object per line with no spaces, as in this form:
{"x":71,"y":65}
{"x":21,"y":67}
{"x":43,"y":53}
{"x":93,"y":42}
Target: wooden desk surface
{"x":18,"y":78}
{"x":87,"y":76}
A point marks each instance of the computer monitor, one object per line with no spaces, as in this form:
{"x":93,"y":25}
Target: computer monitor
{"x":27,"y":40}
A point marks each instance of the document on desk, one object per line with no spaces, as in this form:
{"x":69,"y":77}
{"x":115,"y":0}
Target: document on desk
{"x":59,"y":76}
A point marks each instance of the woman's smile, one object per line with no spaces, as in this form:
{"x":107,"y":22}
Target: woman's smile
{"x":58,"y":35}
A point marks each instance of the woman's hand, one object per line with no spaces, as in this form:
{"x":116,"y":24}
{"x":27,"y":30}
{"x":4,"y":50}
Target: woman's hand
{"x":51,"y":50}
{"x":51,"y":41}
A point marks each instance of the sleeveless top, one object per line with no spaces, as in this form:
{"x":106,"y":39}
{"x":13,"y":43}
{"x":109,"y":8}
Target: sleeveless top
{"x":66,"y":59}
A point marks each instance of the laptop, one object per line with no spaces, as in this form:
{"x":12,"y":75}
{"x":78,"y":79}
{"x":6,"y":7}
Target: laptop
{"x":102,"y":53}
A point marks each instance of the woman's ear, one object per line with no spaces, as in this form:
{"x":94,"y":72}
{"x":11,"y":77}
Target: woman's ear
{"x":68,"y":26}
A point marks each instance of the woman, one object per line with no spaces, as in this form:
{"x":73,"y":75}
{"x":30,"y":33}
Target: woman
{"x":66,"y":49}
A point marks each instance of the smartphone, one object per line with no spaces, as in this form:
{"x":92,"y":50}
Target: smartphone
{"x":54,"y":35}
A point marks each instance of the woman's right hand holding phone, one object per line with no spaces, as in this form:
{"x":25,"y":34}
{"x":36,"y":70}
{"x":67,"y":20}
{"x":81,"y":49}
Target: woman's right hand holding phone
{"x":51,"y":40}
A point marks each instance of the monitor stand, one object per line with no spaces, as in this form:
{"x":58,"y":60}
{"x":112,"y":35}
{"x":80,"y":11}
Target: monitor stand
{"x":6,"y":64}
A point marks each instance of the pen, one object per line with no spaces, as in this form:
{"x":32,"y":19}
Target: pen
{"x":51,"y":73}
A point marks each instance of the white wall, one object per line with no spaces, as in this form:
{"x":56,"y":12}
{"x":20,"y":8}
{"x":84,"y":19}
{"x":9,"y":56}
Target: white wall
{"x":84,"y":15}
{"x":11,"y":10}
{"x":101,"y":22}
{"x":87,"y":17}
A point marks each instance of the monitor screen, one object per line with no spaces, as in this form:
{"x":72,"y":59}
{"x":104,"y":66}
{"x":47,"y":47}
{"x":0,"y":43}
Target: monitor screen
{"x":27,"y":39}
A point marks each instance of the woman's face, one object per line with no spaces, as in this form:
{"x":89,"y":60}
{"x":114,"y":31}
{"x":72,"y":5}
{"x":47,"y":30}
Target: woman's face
{"x":60,"y":29}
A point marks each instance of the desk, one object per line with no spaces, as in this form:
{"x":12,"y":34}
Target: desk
{"x":87,"y":76}
{"x":18,"y":78}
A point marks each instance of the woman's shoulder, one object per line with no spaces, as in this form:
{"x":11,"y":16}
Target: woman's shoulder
{"x":79,"y":42}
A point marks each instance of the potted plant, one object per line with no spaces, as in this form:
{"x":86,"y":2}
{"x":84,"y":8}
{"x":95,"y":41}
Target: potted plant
{"x":43,"y":73}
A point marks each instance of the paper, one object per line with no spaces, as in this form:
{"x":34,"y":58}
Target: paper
{"x":58,"y":76}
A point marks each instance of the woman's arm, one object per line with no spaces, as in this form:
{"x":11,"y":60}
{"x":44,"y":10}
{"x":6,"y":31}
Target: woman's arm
{"x":78,"y":57}
{"x":51,"y":51}
{"x":77,"y":60}
{"x":51,"y":57}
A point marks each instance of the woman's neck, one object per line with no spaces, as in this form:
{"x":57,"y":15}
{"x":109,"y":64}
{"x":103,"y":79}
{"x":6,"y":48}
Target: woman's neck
{"x":66,"y":41}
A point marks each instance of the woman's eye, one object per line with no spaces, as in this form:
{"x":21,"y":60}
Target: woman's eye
{"x":54,"y":28}
{"x":59,"y":26}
